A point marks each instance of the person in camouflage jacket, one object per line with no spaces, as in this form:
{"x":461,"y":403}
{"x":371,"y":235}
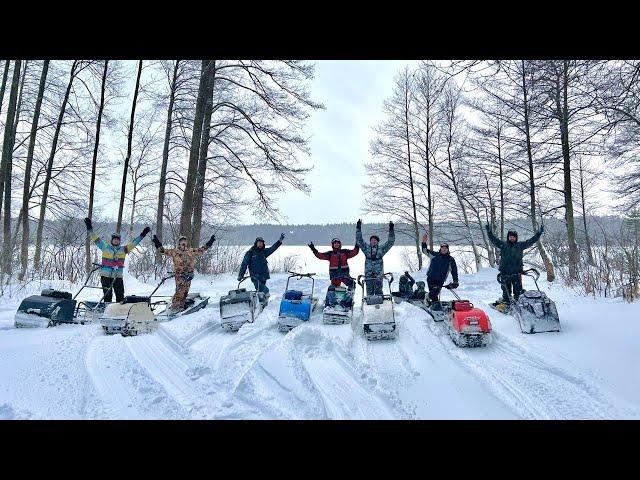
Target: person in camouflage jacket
{"x":184,"y":259}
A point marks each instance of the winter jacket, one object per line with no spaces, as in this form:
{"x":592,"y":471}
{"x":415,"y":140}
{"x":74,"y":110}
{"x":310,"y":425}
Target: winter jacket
{"x":338,"y":266}
{"x":374,"y":265}
{"x":256,"y":260}
{"x":440,"y":266}
{"x":183,"y":260}
{"x":511,"y":253}
{"x":113,"y":257}
{"x":406,"y":284}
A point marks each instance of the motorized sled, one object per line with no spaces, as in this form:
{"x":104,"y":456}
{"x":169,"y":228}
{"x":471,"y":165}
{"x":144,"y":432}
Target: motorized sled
{"x":534,"y":311}
{"x":53,"y":307}
{"x":467,"y":325}
{"x":241,"y":306}
{"x":378,"y":318}
{"x":296,"y":306}
{"x":139,"y":314}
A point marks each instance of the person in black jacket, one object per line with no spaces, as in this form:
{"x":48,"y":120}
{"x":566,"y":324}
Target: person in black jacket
{"x":511,"y":253}
{"x":441,"y":264}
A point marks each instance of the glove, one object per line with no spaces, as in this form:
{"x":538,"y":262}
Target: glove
{"x":454,"y":285}
{"x":406,"y":273}
{"x":311,"y":246}
{"x":359,"y":224}
{"x":487,"y":227}
{"x":542,"y":228}
{"x":391,"y":226}
{"x":239,"y":278}
{"x":144,"y":232}
{"x":281,"y":236}
{"x":210,"y":242}
{"x":156,"y":242}
{"x":87,"y":222}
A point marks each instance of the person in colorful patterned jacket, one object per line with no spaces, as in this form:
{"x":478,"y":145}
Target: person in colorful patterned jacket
{"x":113,"y":255}
{"x":184,"y":259}
{"x":338,"y":270}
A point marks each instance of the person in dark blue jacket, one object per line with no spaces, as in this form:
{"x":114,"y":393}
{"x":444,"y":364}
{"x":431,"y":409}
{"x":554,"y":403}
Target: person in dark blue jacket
{"x":441,"y":264}
{"x":256,"y":260}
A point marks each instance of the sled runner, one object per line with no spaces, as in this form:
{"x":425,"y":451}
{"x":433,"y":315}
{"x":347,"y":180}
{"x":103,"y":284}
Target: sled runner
{"x":53,"y":307}
{"x":378,"y":319}
{"x":241,"y":306}
{"x":296,"y":305}
{"x":138,"y":314}
{"x":534,"y":311}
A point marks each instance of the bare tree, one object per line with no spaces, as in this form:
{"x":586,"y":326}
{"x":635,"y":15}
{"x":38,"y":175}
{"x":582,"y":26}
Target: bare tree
{"x":76,"y":67}
{"x":125,"y":172}
{"x":26,"y":190}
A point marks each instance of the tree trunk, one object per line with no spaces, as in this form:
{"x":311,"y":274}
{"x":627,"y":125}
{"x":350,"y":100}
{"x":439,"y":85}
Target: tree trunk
{"x":7,"y":252}
{"x":165,"y":159}
{"x":546,"y":260}
{"x":94,"y":163}
{"x":563,"y":116}
{"x":476,"y":253}
{"x":413,"y":197}
{"x":590,"y":258}
{"x":194,"y":152}
{"x":202,"y":163}
{"x":428,"y":171}
{"x":47,"y":180}
{"x":5,"y":166}
{"x":5,"y":75}
{"x":26,"y":190}
{"x":125,"y":171}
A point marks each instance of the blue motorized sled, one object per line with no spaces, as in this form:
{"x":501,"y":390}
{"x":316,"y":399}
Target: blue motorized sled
{"x":296,"y":305}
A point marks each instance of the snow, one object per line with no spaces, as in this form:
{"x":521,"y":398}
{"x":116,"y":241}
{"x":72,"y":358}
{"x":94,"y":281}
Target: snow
{"x":192,"y":369}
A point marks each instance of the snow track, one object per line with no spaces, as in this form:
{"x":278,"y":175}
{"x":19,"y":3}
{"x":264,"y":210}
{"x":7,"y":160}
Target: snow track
{"x":190,"y":368}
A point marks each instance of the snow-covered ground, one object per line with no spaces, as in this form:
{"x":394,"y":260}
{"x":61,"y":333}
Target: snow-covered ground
{"x":191,"y":369}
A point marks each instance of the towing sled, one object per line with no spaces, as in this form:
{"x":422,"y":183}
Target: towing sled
{"x":467,"y":325}
{"x":53,"y":307}
{"x":338,"y":314}
{"x":241,"y":306}
{"x":378,"y":319}
{"x":534,"y":311}
{"x":296,"y":305}
{"x":138,"y":314}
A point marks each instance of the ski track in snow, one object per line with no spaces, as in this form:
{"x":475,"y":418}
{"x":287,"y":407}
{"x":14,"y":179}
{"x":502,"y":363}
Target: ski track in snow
{"x":192,"y":368}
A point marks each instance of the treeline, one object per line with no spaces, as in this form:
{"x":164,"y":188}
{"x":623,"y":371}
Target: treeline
{"x":193,"y":144}
{"x":482,"y":142}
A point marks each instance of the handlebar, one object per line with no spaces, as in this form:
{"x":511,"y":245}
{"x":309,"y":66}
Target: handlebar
{"x":363,"y":278}
{"x":536,"y":273}
{"x":294,"y":274}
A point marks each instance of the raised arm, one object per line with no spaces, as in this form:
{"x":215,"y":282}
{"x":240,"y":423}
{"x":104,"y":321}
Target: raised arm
{"x":359,"y":240}
{"x":426,"y":251}
{"x":532,"y":240}
{"x":321,"y":256}
{"x":129,"y":247}
{"x":391,"y":240}
{"x":274,"y":247}
{"x":205,"y":247}
{"x":354,"y":252}
{"x":492,"y":238}
{"x":94,"y":237}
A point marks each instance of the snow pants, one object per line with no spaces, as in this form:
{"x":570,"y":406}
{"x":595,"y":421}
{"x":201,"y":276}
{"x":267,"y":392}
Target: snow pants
{"x":183,"y":284}
{"x":511,"y":283}
{"x":118,"y":287}
{"x":434,"y":289}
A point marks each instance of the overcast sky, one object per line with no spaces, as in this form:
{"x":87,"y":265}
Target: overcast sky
{"x":353,"y":93}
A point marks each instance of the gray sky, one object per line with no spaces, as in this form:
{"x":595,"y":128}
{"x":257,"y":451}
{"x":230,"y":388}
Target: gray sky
{"x":353,"y":93}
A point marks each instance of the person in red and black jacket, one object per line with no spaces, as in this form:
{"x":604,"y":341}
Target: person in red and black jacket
{"x":338,"y":266}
